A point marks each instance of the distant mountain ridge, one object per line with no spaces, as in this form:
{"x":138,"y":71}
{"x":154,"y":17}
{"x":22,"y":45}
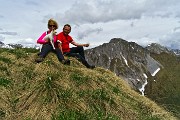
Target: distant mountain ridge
{"x":14,"y":45}
{"x":1,"y":43}
{"x":157,"y":48}
{"x":125,"y":59}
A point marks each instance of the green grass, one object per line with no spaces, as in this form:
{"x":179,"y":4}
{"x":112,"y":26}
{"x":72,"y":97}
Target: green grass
{"x":53,"y":91}
{"x":79,"y":79}
{"x":5,"y":60}
{"x":20,"y":52}
{"x":165,"y":90}
{"x":5,"y":82}
{"x":70,"y":115}
{"x":2,"y":113}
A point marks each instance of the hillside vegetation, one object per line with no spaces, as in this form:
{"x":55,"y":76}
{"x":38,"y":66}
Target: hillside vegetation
{"x":164,"y":87}
{"x":53,"y":91}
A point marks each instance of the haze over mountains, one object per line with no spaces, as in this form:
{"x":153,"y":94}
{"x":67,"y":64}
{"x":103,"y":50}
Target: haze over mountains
{"x":3,"y":45}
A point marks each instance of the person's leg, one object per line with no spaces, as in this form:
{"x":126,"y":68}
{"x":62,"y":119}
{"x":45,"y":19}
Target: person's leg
{"x":46,"y":48}
{"x":80,"y":58}
{"x":59,"y":54}
{"x":79,"y":50}
{"x":61,"y":57}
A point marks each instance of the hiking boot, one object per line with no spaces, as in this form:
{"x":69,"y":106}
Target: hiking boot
{"x":91,"y":66}
{"x":39,"y":59}
{"x":66,"y":62}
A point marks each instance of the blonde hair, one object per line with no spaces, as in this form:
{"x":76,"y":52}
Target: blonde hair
{"x":51,"y":21}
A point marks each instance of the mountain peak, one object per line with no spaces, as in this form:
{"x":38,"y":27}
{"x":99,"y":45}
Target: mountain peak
{"x":157,"y":48}
{"x":1,"y":43}
{"x":116,"y":40}
{"x":127,"y":59}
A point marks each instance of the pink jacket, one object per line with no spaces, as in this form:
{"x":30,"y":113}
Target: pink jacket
{"x":42,"y":41}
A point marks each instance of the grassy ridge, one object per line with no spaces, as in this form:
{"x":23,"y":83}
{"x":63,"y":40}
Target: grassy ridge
{"x":52,"y":91}
{"x":165,"y":90}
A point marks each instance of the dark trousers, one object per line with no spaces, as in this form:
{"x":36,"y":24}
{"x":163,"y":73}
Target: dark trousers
{"x":78,"y":52}
{"x":46,"y":48}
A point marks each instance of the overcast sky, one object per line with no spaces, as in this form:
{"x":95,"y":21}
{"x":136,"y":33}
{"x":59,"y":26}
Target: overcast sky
{"x":93,"y":21}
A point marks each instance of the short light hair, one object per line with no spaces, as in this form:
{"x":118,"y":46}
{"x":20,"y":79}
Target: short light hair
{"x":51,"y":21}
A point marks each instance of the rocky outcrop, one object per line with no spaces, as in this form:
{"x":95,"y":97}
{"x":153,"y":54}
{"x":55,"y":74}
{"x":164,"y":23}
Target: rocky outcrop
{"x":126,"y":59}
{"x":176,"y":51}
{"x":1,"y":43}
{"x":158,"y":49}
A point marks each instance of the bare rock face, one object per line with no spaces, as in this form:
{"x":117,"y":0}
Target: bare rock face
{"x":1,"y":43}
{"x":157,"y":48}
{"x":126,"y":59}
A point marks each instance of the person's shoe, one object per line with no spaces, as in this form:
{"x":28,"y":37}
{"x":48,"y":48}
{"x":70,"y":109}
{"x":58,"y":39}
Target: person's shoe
{"x":91,"y":66}
{"x":66,"y":62}
{"x":39,"y":59}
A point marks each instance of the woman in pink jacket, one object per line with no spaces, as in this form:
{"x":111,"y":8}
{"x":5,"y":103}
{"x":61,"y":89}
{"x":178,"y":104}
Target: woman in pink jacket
{"x":50,"y":44}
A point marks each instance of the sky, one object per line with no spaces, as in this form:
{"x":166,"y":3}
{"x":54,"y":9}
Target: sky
{"x":93,"y":21}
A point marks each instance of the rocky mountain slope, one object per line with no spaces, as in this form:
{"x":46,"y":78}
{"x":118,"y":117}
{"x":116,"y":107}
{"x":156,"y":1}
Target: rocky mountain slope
{"x":141,"y":67}
{"x":164,"y":87}
{"x":125,"y":59}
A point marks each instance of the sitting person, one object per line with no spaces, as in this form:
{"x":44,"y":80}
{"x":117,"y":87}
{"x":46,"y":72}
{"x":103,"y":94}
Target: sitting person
{"x":77,"y":51}
{"x":50,"y":44}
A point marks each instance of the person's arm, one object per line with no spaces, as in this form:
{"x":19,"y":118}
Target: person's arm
{"x":59,"y":42}
{"x":41,"y":39}
{"x":59,"y":45}
{"x":77,"y":44}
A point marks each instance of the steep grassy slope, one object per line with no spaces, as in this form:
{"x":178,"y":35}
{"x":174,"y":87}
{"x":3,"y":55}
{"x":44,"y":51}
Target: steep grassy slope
{"x":165,"y":90}
{"x":50,"y":90}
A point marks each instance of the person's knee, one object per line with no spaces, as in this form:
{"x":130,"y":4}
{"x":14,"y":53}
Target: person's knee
{"x":77,"y":55}
{"x":80,"y":48}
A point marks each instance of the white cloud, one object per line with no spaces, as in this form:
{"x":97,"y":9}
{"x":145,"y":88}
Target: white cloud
{"x":94,"y":21}
{"x":28,"y":42}
{"x":87,"y":31}
{"x":102,"y":11}
{"x":108,"y":10}
{"x":176,"y":29}
{"x":171,"y":40}
{"x":1,"y":16}
{"x":9,"y":33}
{"x":2,"y":38}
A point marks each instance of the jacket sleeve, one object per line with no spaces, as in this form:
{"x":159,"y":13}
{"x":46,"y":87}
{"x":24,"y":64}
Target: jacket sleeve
{"x":41,"y":39}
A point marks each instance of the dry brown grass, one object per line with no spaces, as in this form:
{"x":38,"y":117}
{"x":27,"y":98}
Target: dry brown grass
{"x":39,"y":91}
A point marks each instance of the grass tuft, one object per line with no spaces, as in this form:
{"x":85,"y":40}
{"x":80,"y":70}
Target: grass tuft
{"x":5,"y":82}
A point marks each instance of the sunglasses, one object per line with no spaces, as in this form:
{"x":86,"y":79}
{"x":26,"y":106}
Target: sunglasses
{"x":52,"y":25}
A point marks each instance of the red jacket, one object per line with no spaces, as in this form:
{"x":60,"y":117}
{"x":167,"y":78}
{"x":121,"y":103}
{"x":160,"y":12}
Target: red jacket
{"x":66,"y":40}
